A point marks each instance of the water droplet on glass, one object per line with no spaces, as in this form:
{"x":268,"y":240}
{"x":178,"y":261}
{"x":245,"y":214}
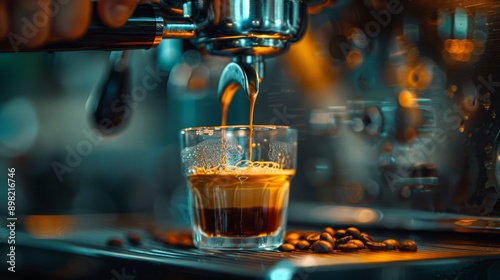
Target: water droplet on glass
{"x":240,"y":149}
{"x":211,"y":153}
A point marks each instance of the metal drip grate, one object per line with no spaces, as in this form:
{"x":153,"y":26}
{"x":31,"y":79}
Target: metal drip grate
{"x":257,"y":264}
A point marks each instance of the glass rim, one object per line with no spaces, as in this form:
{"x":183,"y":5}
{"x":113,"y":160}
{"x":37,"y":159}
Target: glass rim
{"x":241,"y":127}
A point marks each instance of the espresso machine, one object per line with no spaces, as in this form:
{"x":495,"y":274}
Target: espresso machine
{"x":395,"y":102}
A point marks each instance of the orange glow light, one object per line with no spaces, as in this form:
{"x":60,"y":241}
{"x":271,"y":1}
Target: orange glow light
{"x":406,"y":99}
{"x":49,"y":226}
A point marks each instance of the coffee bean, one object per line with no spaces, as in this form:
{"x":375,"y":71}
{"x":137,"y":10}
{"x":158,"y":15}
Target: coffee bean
{"x":293,"y":241}
{"x":408,"y":246}
{"x":349,"y":247}
{"x":376,"y":246}
{"x":364,"y":237}
{"x":322,"y":247}
{"x":357,"y":242}
{"x":392,"y":244}
{"x":327,"y":237}
{"x":342,"y":240}
{"x":346,"y":240}
{"x":292,"y":236}
{"x":286,"y":247}
{"x":330,"y":230}
{"x":133,"y":238}
{"x":303,"y":245}
{"x":313,"y":237}
{"x":340,"y":233}
{"x":181,"y":239}
{"x":352,"y":231}
{"x":114,"y":242}
{"x":305,"y":234}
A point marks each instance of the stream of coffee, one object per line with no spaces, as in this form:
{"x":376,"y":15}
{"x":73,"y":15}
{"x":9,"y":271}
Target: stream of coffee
{"x":225,"y":101}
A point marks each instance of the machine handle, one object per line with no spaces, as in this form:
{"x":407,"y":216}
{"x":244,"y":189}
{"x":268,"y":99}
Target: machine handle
{"x":143,"y":30}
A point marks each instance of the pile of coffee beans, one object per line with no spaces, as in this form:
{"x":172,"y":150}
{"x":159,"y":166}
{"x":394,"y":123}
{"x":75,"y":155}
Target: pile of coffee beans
{"x":350,"y":239}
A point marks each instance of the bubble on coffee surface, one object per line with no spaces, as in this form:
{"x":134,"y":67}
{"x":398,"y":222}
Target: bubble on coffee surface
{"x":211,"y":153}
{"x":243,"y":167}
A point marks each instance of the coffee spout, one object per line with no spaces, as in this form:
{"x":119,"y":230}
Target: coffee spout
{"x":234,"y":76}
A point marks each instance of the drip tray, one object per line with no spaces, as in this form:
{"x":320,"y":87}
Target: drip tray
{"x":152,"y":260}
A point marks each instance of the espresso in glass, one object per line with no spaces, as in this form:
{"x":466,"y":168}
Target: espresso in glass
{"x":236,"y":203}
{"x":249,"y":203}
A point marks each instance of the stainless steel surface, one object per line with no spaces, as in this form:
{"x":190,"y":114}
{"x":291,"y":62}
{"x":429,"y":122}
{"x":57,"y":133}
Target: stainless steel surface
{"x":240,"y":27}
{"x":234,"y":77}
{"x":245,"y":29}
{"x":433,"y":260}
{"x":237,"y":28}
{"x":179,"y":28}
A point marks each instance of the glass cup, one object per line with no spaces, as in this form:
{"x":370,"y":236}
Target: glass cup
{"x":238,"y":181}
